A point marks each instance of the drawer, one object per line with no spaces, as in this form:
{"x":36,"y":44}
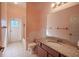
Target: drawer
{"x":61,"y":55}
{"x":49,"y":55}
{"x":50,"y":51}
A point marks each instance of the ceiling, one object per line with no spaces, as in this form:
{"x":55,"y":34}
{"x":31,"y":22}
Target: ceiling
{"x":19,"y":4}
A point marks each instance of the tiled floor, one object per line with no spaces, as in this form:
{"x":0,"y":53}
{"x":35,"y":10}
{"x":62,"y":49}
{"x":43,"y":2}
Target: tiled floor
{"x":17,"y":49}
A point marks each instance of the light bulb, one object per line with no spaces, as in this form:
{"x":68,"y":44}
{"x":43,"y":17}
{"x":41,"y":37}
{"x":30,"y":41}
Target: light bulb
{"x":58,"y":3}
{"x":15,"y":2}
{"x":53,"y":5}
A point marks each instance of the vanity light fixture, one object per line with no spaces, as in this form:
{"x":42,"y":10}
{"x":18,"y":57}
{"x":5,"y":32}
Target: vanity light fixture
{"x":57,"y":4}
{"x":15,"y":2}
{"x":53,"y":5}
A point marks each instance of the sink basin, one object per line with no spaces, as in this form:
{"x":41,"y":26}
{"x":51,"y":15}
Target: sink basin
{"x":63,"y":44}
{"x":55,"y":41}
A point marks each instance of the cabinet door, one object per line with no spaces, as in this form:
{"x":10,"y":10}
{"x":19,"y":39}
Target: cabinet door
{"x":61,"y":55}
{"x":49,"y":55}
{"x":41,"y":52}
{"x":36,"y":50}
{"x":50,"y":51}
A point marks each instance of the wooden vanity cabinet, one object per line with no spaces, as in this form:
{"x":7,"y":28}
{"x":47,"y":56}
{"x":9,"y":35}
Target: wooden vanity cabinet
{"x":50,"y":51}
{"x":43,"y":50}
{"x":61,"y":55}
{"x":40,"y":51}
{"x":36,"y":49}
{"x":49,"y":55}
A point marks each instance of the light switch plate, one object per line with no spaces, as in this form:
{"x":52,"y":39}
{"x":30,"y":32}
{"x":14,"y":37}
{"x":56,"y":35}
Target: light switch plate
{"x":78,"y":43}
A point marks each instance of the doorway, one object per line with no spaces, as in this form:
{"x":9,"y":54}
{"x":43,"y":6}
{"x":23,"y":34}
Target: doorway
{"x":15,"y":30}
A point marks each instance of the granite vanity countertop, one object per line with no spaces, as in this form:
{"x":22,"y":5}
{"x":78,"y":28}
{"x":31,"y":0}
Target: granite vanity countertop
{"x":65,"y":49}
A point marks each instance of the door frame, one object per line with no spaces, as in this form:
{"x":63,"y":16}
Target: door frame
{"x":18,"y":19}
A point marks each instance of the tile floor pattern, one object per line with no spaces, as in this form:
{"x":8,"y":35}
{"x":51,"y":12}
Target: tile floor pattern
{"x":16,"y":49}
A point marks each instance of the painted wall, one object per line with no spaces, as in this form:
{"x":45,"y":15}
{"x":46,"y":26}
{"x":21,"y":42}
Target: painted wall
{"x":10,"y":10}
{"x":62,"y":19}
{"x":0,"y":24}
{"x":16,"y":11}
{"x":3,"y":17}
{"x":36,"y":20}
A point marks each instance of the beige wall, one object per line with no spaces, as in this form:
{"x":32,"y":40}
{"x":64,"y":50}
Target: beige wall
{"x":3,"y":16}
{"x":34,"y":16}
{"x":16,"y":11}
{"x":0,"y":23}
{"x":36,"y":19}
{"x":62,"y":19}
{"x":10,"y":10}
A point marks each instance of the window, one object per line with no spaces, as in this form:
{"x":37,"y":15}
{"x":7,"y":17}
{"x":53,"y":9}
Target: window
{"x":14,"y":23}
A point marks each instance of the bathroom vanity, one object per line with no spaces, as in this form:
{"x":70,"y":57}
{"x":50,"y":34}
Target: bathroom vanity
{"x":49,"y":48}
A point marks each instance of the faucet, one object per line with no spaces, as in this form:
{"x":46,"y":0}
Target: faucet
{"x":59,"y":40}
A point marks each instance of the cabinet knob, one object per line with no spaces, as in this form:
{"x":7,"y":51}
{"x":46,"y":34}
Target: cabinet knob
{"x":70,"y":34}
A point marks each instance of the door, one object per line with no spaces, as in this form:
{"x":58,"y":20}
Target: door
{"x":74,"y":29}
{"x":15,"y":30}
